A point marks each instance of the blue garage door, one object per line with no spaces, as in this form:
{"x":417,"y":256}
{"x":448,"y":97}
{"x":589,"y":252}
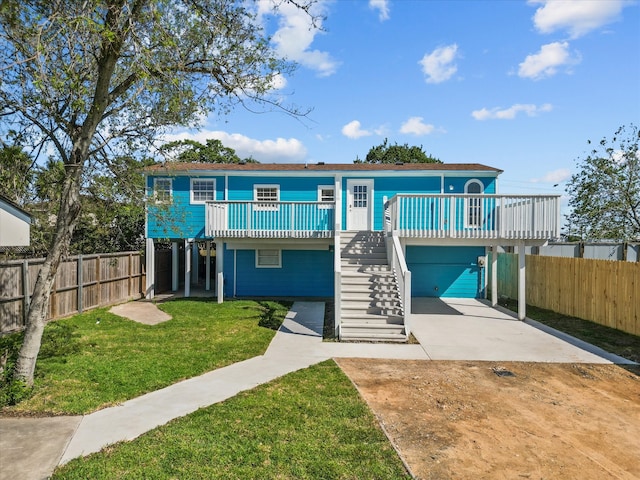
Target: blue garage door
{"x":446,"y":271}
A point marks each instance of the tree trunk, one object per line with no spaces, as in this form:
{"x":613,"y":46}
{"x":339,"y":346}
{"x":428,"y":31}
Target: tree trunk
{"x":38,"y":310}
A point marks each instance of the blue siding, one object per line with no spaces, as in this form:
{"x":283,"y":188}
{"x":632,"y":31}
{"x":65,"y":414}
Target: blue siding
{"x":183,"y":220}
{"x":445,"y":271}
{"x":390,"y":186}
{"x":180,"y":219}
{"x":292,"y":189}
{"x":304,"y":273}
{"x":458,"y":184}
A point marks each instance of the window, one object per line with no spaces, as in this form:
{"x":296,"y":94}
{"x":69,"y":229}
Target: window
{"x":268,"y":194}
{"x":268,"y":258}
{"x":326,"y":193}
{"x":203,"y":190}
{"x":473,"y":217}
{"x":162,"y":190}
{"x":360,"y":196}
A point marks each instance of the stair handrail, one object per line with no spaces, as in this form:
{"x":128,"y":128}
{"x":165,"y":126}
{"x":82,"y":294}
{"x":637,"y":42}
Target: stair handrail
{"x":403,"y":277}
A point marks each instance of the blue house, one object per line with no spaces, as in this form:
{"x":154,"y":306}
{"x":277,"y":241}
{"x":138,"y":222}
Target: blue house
{"x":370,"y":236}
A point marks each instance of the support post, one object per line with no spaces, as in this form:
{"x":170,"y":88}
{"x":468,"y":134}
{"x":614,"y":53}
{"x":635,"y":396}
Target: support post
{"x":187,"y":267}
{"x":150,"y":266}
{"x":219,"y":269}
{"x":207,"y":281}
{"x":220,"y":287}
{"x":175,"y":265}
{"x":522,"y":300}
{"x":494,"y":275}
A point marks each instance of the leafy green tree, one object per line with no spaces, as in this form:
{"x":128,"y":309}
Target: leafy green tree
{"x":605,"y":193}
{"x":385,"y":153}
{"x":16,"y":174}
{"x":99,"y":79}
{"x":192,"y":151}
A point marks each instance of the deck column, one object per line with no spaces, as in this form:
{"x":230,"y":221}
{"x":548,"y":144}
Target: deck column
{"x":207,"y":282}
{"x":188,"y":246}
{"x":494,"y":275}
{"x":522,"y":301}
{"x":219,"y":267}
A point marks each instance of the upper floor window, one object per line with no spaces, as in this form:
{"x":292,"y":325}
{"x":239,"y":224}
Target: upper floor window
{"x":162,"y":190}
{"x":203,"y":190}
{"x":269,"y":194}
{"x":326,"y":193}
{"x":473,"y":215}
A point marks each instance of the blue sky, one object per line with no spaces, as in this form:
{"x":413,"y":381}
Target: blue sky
{"x":517,"y":85}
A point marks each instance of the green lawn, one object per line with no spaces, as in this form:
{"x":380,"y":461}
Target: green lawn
{"x":310,"y":424}
{"x":97,"y":359}
{"x":612,"y":340}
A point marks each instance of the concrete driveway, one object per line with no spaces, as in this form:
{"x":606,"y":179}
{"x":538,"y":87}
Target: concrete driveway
{"x":469,"y":329}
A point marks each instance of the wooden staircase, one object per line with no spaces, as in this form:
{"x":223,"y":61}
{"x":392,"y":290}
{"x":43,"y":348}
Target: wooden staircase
{"x":371,"y":309}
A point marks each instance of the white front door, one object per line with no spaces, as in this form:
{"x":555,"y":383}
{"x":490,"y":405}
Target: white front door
{"x":359,"y":204}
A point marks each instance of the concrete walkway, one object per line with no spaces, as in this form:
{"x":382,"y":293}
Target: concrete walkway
{"x":455,"y":330}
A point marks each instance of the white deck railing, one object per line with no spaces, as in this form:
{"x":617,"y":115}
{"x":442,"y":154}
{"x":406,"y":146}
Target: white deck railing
{"x":518,"y":217}
{"x":270,"y":219}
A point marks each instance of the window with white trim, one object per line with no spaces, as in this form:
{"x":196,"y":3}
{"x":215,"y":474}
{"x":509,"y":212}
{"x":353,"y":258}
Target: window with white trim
{"x":203,"y":190}
{"x":327,"y":194}
{"x":162,"y":190}
{"x":268,"y":258}
{"x":268,"y":194}
{"x":473,"y":216}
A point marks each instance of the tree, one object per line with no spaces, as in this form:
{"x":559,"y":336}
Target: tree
{"x":95,"y":80}
{"x":385,"y":153}
{"x":192,"y":151}
{"x":605,"y":193}
{"x":16,"y":173}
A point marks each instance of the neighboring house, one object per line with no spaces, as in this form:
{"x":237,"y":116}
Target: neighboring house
{"x":371,"y":236}
{"x":15,"y":224}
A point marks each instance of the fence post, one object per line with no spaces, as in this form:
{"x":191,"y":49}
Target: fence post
{"x":130,"y":274}
{"x":98,"y":278}
{"x":26,"y":300}
{"x":80,"y":282}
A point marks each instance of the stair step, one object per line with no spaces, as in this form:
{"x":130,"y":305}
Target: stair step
{"x":373,"y":337}
{"x":360,"y":297}
{"x":365,"y":268}
{"x":360,"y":317}
{"x":382,"y":256}
{"x":381,"y":262}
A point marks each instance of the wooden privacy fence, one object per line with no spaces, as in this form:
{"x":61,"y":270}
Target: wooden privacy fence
{"x":82,"y":282}
{"x":603,"y":291}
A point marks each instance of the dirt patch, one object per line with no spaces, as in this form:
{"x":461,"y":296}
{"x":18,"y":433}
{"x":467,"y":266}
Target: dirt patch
{"x":470,"y":420}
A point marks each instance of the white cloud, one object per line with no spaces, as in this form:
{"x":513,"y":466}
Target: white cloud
{"x":295,"y":35}
{"x":511,"y":112}
{"x":577,"y":17}
{"x":415,"y":126}
{"x":382,"y":6}
{"x":354,"y":130}
{"x":555,"y":176}
{"x":439,"y":65}
{"x":546,"y":62}
{"x":280,"y":150}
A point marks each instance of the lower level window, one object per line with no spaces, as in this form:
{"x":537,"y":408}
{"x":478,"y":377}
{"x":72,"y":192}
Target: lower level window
{"x":268,"y":258}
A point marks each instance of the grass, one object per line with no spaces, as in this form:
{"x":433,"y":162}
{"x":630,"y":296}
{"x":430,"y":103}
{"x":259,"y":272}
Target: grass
{"x":610,"y":339}
{"x":310,"y":424}
{"x":97,"y":359}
